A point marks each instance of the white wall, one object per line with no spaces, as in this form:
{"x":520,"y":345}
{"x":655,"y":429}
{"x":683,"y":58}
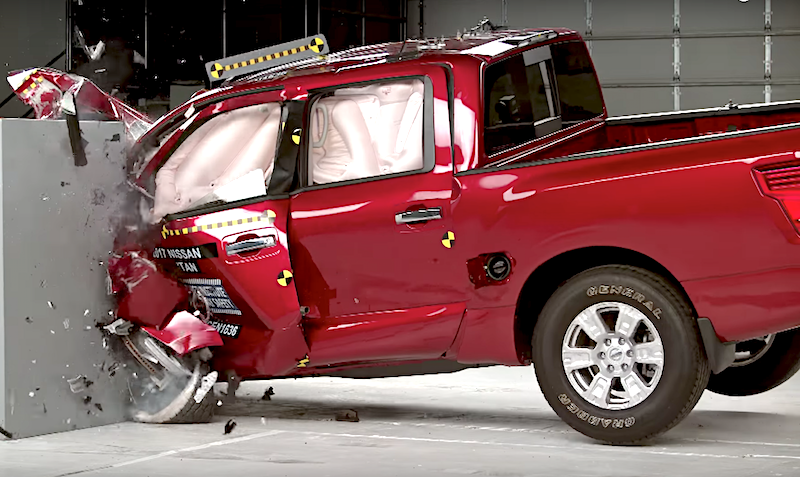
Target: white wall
{"x":637,"y":73}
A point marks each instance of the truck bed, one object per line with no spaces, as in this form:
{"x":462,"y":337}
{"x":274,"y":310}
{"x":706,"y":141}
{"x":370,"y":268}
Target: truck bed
{"x":643,"y":129}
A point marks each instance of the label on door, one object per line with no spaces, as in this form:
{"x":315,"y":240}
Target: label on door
{"x":212,"y":290}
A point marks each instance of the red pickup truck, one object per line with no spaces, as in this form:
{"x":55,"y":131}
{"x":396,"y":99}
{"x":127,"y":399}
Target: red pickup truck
{"x":425,"y":206}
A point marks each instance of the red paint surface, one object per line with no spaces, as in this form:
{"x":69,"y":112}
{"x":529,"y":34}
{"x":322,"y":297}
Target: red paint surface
{"x":145,"y":294}
{"x":398,"y":335}
{"x":487,"y":336}
{"x":89,"y":99}
{"x":185,"y":333}
{"x":270,"y":313}
{"x":370,"y":285}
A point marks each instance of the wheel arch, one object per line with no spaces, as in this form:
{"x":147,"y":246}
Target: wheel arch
{"x":545,"y":279}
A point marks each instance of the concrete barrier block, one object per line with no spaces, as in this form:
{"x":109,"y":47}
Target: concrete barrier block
{"x":56,"y":230}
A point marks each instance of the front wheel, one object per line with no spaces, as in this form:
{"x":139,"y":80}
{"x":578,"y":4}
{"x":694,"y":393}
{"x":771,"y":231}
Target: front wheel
{"x":168,"y":389}
{"x":618,"y":355}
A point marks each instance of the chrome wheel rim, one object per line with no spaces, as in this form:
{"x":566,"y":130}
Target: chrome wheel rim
{"x":750,"y":351}
{"x":612,"y":355}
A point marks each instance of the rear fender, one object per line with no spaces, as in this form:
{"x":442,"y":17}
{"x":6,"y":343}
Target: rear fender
{"x":185,"y":333}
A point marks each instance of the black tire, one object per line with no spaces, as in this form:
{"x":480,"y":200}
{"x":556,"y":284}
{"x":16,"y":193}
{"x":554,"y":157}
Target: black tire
{"x":779,"y":363}
{"x":684,"y":372}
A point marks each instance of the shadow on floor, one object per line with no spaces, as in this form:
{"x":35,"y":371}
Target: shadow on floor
{"x":700,"y":425}
{"x":326,"y":410}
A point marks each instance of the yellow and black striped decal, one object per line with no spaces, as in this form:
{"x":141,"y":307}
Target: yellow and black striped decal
{"x":36,"y":82}
{"x":267,"y":216}
{"x":303,"y":362}
{"x":245,"y":63}
{"x":285,"y":278}
{"x":449,"y":239}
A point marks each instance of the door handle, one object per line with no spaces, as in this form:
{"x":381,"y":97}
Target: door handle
{"x":419,"y":215}
{"x":250,"y":245}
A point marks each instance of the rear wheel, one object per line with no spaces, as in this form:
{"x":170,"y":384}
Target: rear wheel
{"x":168,"y":389}
{"x":618,"y":355}
{"x":760,"y":365}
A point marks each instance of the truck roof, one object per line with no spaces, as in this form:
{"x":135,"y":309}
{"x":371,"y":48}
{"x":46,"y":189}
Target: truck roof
{"x":484,"y":45}
{"x":481,"y":45}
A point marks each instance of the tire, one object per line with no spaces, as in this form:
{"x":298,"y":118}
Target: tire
{"x":173,"y":402}
{"x":651,"y":388}
{"x":180,"y":407}
{"x":746,"y":377}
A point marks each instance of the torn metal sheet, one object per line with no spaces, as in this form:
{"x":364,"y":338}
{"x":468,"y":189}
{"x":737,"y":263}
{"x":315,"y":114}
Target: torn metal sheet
{"x":54,"y":94}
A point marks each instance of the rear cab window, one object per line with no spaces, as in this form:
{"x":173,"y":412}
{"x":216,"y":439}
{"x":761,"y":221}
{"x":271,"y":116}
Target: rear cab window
{"x":360,"y":132}
{"x":537,"y":93}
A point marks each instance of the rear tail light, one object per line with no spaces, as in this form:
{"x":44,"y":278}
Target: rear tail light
{"x":782,"y":183}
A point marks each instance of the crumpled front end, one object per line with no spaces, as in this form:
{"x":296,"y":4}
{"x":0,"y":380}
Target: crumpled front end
{"x":53,"y":94}
{"x":153,"y":300}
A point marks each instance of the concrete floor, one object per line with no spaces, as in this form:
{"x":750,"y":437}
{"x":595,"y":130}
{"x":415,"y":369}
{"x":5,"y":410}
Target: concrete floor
{"x":490,"y":421}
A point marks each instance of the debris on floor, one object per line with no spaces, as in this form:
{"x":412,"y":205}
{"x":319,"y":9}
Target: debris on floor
{"x":269,"y":392}
{"x":347,"y":416}
{"x":229,"y":426}
{"x":6,"y":433}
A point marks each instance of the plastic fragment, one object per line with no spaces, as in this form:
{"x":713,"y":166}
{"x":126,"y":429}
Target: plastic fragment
{"x":86,"y":312}
{"x":205,"y":386}
{"x":347,"y":416}
{"x":119,"y":327}
{"x":79,"y":383}
{"x":31,"y":394}
{"x":51,"y":305}
{"x":229,"y":426}
{"x":66,"y":323}
{"x":267,"y":394}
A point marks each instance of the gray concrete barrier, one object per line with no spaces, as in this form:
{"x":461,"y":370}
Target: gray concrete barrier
{"x":56,"y":222}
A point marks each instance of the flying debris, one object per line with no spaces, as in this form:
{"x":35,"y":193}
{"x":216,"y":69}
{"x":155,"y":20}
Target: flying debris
{"x":229,"y":426}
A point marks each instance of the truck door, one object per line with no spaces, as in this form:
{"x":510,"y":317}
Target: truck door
{"x":222,"y":191}
{"x":373,"y":244}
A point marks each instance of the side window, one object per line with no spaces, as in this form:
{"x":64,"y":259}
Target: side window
{"x":367,"y":131}
{"x":520,"y":101}
{"x":577,"y":87}
{"x":229,"y":157}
